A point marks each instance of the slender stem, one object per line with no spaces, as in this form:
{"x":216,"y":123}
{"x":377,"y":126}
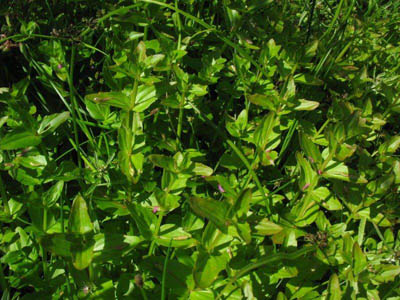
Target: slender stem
{"x":129,"y":125}
{"x":63,"y":230}
{"x":180,"y":119}
{"x":3,"y":281}
{"x":179,"y":26}
{"x":378,"y":231}
{"x":322,"y":128}
{"x":62,"y":208}
{"x":142,"y":291}
{"x":4,"y":197}
{"x":182,"y":102}
{"x":45,"y":219}
{"x":91,"y":272}
{"x":74,"y":104}
{"x":44,"y":260}
{"x":361,"y":230}
{"x":44,"y":253}
{"x":310,"y":20}
{"x":153,"y":243}
{"x":134,"y":94}
{"x":328,"y":159}
{"x":164,"y":275}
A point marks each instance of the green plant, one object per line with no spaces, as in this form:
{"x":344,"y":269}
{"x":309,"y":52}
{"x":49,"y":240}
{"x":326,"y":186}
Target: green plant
{"x":199,"y":149}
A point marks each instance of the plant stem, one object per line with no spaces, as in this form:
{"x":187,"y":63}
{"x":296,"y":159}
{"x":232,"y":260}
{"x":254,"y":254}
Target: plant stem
{"x":142,"y":291}
{"x":91,"y":272}
{"x":44,"y":260}
{"x":74,"y":104}
{"x":4,"y":197}
{"x":45,"y":219}
{"x":153,"y":243}
{"x":3,"y":281}
{"x":179,"y":27}
{"x":164,"y":275}
{"x":180,"y":119}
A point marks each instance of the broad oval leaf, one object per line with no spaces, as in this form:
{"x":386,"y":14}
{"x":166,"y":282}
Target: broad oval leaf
{"x":310,"y":148}
{"x":267,"y":134}
{"x":145,"y":96}
{"x":266,"y":101}
{"x":116,"y":99}
{"x":334,"y":288}
{"x":53,"y":194}
{"x":359,"y":259}
{"x":208,"y":266}
{"x":242,"y":203}
{"x":213,"y":210}
{"x":79,"y":220}
{"x":51,"y":122}
{"x":338,"y":170}
{"x":171,"y":235}
{"x":82,"y":253}
{"x":303,"y":104}
{"x":266,"y":227}
{"x":18,"y":140}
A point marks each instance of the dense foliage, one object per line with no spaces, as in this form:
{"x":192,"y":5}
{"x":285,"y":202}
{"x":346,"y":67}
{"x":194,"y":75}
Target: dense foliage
{"x":222,"y":149}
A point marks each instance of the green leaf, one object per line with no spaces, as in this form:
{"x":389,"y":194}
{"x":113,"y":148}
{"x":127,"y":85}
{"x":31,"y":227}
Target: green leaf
{"x":305,"y":211}
{"x":97,"y":111}
{"x":344,"y":151}
{"x":79,"y":220}
{"x":359,"y":259}
{"x":82,"y":253}
{"x":308,"y":177}
{"x":116,"y":99}
{"x":281,"y":296}
{"x":52,"y":195}
{"x":266,"y":227}
{"x":58,"y":243}
{"x":163,"y":161}
{"x":340,"y":171}
{"x":110,"y":245}
{"x":201,"y":295}
{"x":126,"y":166}
{"x":152,"y":60}
{"x":334,"y":288}
{"x":201,"y":169}
{"x":51,"y":122}
{"x":242,"y":204}
{"x":310,"y":148}
{"x":244,"y":231}
{"x":213,"y":237}
{"x":133,"y":35}
{"x":307,"y":79}
{"x":390,"y":146}
{"x":307,"y":105}
{"x":143,"y":218}
{"x":176,"y":237}
{"x":266,"y":101}
{"x":324,"y":197}
{"x":32,"y":162}
{"x":267,"y":134}
{"x":166,"y":200}
{"x":211,"y":209}
{"x":19,"y":139}
{"x":207,"y":268}
{"x":386,"y":273}
{"x":146,"y":95}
